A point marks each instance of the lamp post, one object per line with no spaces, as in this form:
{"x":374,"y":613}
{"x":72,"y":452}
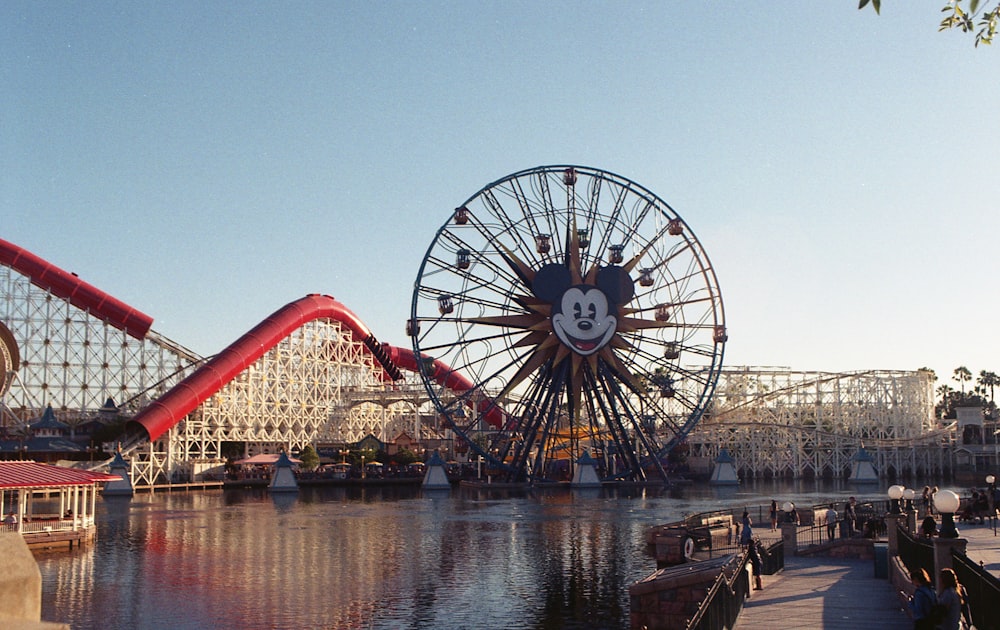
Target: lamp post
{"x":947,"y":503}
{"x":895,"y":494}
{"x":911,"y":516}
{"x":991,"y":500}
{"x":788,"y":507}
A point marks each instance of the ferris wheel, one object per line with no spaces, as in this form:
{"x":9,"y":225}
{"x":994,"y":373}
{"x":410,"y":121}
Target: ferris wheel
{"x":562,"y":312}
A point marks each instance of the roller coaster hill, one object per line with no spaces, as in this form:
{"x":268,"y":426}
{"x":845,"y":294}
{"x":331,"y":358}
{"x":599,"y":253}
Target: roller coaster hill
{"x":312,"y":373}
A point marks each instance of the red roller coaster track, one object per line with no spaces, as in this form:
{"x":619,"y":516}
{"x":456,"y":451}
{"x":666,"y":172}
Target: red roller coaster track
{"x":81,"y":294}
{"x":183,"y":398}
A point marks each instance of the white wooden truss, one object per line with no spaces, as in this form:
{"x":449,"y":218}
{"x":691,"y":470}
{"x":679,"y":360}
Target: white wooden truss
{"x":780,"y":423}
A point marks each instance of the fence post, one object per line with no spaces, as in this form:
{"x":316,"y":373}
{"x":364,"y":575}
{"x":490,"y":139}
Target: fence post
{"x":942,"y":555}
{"x":790,"y":537}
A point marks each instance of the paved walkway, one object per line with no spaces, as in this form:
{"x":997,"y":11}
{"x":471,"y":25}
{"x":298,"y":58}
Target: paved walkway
{"x":825,"y":593}
{"x":828,"y":593}
{"x":984,"y":545}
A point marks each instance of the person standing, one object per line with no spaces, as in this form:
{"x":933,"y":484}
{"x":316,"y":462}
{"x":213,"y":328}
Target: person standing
{"x":774,"y":515}
{"x":851,"y":516}
{"x":831,"y":522}
{"x":952,"y":596}
{"x":746,"y":531}
{"x":922,"y":601}
{"x":928,"y":527}
{"x":792,"y":516}
{"x":926,"y":498}
{"x":755,"y":564}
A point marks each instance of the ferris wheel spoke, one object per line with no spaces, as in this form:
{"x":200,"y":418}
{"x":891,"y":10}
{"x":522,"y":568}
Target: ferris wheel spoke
{"x":612,"y":408}
{"x":503,"y":289}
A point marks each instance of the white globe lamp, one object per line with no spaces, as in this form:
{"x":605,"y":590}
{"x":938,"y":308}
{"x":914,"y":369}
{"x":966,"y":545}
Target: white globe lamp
{"x":947,"y":503}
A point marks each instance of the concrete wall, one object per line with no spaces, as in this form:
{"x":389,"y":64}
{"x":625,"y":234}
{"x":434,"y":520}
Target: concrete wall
{"x":20,"y":587}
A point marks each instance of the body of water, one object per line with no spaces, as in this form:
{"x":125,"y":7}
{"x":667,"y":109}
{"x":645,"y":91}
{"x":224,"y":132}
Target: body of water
{"x":351,"y":557}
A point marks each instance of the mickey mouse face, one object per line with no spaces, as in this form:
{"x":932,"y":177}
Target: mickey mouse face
{"x":583,"y":322}
{"x":583,"y":315}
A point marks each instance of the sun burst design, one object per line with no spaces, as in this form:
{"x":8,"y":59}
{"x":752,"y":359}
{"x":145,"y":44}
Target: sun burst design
{"x":548,"y":349}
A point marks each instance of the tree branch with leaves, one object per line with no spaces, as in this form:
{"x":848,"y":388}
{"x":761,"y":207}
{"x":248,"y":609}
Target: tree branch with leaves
{"x":962,"y":15}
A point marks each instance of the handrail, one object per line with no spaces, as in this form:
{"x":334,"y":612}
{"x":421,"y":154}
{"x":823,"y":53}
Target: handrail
{"x":724,"y":601}
{"x":982,"y":589}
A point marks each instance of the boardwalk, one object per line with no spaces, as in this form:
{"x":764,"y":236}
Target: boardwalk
{"x":984,"y":545}
{"x":827,"y":593}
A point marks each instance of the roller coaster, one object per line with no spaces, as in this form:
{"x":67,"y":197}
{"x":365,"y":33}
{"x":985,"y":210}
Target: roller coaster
{"x":300,"y":377}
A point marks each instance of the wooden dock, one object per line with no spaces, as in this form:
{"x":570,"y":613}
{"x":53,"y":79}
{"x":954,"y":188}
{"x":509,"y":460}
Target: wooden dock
{"x":829,"y":593}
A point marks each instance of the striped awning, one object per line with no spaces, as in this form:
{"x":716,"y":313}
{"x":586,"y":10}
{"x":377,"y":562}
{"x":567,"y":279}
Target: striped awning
{"x":27,"y":474}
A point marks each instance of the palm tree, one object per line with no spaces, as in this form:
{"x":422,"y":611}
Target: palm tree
{"x":963,"y":376}
{"x":947,"y":394}
{"x":989,"y":380}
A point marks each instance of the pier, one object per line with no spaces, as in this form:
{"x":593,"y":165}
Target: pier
{"x":814,"y":592}
{"x":825,"y":593}
{"x":847,"y":582}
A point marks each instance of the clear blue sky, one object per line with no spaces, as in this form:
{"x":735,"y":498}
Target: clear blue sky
{"x":210,"y":162}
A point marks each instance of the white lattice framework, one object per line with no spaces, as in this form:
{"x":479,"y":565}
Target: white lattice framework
{"x":779,"y":422}
{"x":310,"y":388}
{"x":301,"y":392}
{"x":75,"y":361}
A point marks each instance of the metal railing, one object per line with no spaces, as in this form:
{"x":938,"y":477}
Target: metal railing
{"x":982,"y":589}
{"x":914,"y":552}
{"x":772,"y":559}
{"x":724,"y":601}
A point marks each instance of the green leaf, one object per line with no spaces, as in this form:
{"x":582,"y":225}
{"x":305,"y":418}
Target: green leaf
{"x":973,"y":5}
{"x":878,"y":6}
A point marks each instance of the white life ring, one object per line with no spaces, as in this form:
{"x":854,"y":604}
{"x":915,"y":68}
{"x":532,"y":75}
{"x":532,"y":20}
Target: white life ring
{"x":688,"y":547}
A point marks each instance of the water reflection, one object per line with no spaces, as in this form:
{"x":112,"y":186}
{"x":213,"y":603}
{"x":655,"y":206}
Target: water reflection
{"x":374,"y":558}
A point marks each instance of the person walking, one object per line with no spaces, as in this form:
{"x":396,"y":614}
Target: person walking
{"x":922,"y":601}
{"x":831,"y":522}
{"x":953,"y":598}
